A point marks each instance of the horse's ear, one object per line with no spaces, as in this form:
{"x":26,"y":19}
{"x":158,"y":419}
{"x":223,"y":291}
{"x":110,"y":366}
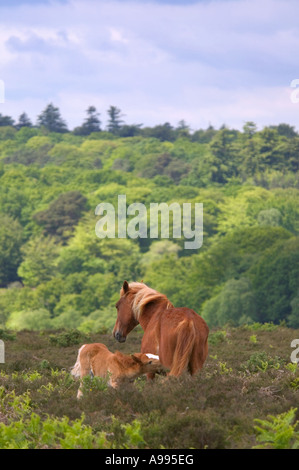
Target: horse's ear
{"x":136,"y":359}
{"x":125,"y":286}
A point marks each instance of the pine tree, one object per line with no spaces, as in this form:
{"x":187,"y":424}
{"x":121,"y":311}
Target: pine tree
{"x":91,"y":123}
{"x":24,"y":121}
{"x":6,"y":121}
{"x":50,"y":118}
{"x":115,"y":122}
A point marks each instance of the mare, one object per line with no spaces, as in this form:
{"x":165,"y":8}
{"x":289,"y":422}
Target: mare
{"x":100,"y":362}
{"x":178,"y":335}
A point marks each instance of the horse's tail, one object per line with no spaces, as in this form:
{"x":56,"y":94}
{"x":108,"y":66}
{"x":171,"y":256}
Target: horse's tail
{"x":185,"y":343}
{"x":76,"y":369}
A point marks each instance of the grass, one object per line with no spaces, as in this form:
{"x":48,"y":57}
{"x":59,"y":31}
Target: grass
{"x":248,"y":376}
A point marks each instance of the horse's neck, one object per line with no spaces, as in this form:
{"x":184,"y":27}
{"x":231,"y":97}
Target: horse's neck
{"x":151,"y":309}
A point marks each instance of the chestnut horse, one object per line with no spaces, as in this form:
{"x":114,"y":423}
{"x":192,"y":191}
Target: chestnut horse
{"x":179,"y":336}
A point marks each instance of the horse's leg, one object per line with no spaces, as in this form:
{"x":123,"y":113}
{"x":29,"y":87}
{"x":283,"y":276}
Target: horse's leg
{"x":197,"y":360}
{"x":150,"y":344}
{"x":193,"y":367}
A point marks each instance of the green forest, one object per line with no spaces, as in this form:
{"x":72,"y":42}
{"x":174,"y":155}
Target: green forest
{"x":56,"y":273}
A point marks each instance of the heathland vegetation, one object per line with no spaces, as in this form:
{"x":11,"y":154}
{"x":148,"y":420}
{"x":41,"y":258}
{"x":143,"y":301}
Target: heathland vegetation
{"x":245,"y":397}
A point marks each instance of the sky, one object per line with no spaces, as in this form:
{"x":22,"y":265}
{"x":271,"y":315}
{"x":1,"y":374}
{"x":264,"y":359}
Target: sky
{"x":207,"y":62}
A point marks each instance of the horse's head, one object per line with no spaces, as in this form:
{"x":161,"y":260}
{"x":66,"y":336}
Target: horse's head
{"x":148,"y":363}
{"x":126,"y":320}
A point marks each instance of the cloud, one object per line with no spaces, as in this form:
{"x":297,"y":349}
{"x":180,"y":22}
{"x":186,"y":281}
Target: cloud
{"x":206,"y":62}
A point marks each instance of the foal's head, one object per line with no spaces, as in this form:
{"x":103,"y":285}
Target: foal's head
{"x":126,"y":320}
{"x":147,"y":363}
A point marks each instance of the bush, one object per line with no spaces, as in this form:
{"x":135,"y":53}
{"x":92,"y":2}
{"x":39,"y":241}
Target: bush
{"x":261,"y":361}
{"x":33,"y":433}
{"x":68,"y":338}
{"x":6,"y":335}
{"x":278,"y":432}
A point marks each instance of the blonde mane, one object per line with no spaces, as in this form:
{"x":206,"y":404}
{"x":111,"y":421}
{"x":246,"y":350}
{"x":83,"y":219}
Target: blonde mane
{"x":143,"y":295}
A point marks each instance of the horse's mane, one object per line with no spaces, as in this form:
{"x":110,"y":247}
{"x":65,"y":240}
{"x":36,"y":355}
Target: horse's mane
{"x":142,"y":295}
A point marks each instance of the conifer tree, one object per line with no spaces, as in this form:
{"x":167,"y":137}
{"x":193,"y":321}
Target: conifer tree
{"x":115,"y":122}
{"x":51,"y":119}
{"x":91,"y":123}
{"x":24,"y":121}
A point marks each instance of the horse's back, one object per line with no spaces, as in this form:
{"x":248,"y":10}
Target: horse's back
{"x":185,"y":317}
{"x":175,"y":316}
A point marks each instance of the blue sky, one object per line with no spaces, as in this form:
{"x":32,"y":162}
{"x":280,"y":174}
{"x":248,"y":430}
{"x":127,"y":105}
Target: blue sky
{"x":207,"y":62}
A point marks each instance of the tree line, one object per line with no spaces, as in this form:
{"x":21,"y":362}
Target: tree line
{"x":51,"y":120}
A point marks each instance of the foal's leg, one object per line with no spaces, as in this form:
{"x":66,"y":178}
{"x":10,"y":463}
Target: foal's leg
{"x":150,"y":376}
{"x":84,"y":371}
{"x":113,"y":382}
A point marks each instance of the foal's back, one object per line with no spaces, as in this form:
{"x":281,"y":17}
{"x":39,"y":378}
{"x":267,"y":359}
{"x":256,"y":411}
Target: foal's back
{"x":95,"y":357}
{"x":102,"y":361}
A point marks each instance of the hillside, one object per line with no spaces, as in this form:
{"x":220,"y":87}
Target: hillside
{"x":54,"y":270}
{"x":248,"y":375}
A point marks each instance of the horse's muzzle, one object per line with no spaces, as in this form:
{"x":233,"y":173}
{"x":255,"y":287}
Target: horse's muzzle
{"x":119,"y":337}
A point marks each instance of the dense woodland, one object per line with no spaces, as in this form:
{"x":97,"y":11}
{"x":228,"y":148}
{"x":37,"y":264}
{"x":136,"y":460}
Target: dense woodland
{"x":55,"y":272}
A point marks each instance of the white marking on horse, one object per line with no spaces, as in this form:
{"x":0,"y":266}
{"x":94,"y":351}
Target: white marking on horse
{"x":152,"y":356}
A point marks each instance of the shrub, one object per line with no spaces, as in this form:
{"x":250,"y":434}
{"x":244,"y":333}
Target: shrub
{"x":93,"y":384}
{"x":7,"y":336}
{"x":279,"y":432}
{"x":261,"y":361}
{"x":295,"y":384}
{"x":68,"y":338}
{"x":261,"y":326}
{"x":217,"y":337}
{"x":33,"y":433}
